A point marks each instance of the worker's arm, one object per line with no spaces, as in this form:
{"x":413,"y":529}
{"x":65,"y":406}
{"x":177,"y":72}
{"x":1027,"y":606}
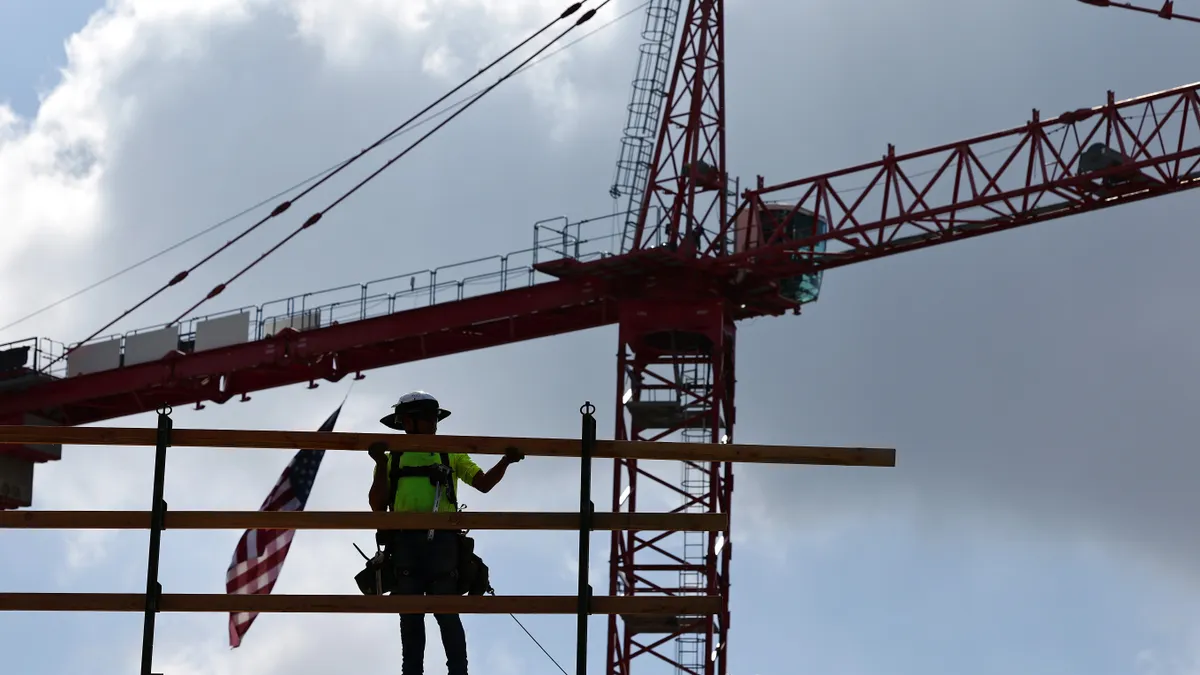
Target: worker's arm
{"x":484,"y":481}
{"x":378,"y":496}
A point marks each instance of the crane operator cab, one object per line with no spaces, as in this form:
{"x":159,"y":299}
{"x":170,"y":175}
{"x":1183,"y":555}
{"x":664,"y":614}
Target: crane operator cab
{"x":752,"y":230}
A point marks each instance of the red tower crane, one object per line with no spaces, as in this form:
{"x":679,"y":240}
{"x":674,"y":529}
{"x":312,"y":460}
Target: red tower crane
{"x":696,"y":257}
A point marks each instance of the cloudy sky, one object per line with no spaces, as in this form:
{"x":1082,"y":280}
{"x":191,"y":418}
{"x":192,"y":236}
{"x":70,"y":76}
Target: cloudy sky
{"x":1038,"y":384}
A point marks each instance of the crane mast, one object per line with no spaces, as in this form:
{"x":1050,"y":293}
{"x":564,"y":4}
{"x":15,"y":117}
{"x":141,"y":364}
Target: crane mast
{"x":687,"y":179}
{"x":675,"y":367}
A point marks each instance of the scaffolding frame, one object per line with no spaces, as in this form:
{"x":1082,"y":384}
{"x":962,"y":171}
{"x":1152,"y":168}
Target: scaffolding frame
{"x":585,"y":521}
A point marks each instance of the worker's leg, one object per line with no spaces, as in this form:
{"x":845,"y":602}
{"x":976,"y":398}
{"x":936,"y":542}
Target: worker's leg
{"x":454,"y":641}
{"x":407,"y":551}
{"x":442,"y":568}
{"x":412,"y":644}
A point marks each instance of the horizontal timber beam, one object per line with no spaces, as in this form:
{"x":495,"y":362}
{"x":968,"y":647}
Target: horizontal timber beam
{"x":361,"y":520}
{"x":356,"y":604}
{"x":479,"y":445}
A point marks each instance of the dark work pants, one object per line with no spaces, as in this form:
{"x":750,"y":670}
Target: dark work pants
{"x":425,"y":567}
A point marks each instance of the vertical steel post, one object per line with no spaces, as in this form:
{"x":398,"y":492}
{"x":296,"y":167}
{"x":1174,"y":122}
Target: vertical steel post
{"x":586,"y":510}
{"x":158,"y":511}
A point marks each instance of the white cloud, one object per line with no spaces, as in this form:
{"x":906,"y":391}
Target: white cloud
{"x":1154,"y":662}
{"x":85,"y":549}
{"x":439,"y":62}
{"x":123,"y":75}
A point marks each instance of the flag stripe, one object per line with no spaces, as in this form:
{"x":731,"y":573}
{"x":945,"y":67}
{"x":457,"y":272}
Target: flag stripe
{"x":260,"y":554}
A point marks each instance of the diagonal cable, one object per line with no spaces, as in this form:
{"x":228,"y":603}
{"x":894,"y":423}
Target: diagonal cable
{"x":445,"y":110}
{"x":316,"y":217}
{"x":284,"y":206}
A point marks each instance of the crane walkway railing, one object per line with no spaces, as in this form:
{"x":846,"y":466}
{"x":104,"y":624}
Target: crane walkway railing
{"x":585,"y":521}
{"x":554,"y":239}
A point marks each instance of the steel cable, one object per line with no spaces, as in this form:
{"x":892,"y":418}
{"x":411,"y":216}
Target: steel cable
{"x":285,"y":205}
{"x":316,"y":217}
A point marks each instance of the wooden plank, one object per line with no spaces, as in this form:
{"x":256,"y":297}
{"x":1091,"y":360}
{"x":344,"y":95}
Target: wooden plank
{"x":361,"y":520}
{"x":359,"y":604}
{"x":477,"y":445}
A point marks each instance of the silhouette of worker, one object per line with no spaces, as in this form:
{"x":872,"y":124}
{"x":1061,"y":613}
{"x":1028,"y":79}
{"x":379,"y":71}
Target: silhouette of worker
{"x":426,"y":561}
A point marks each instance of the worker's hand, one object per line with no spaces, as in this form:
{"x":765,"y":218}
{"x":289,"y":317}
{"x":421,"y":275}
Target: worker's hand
{"x":513,"y":455}
{"x":378,"y":451}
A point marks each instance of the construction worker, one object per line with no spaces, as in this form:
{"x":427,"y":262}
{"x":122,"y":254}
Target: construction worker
{"x":426,"y":561}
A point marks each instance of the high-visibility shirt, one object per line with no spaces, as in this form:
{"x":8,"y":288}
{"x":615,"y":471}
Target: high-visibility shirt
{"x":415,"y":493}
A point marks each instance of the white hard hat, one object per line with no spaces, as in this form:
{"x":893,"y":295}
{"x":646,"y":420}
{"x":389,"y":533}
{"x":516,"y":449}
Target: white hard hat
{"x":414,"y":402}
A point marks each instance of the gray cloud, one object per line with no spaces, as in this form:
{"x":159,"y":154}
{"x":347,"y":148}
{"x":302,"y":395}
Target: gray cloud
{"x":1044,"y":377}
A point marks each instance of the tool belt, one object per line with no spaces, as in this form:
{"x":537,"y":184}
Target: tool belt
{"x":379,"y":576}
{"x":473,"y":574}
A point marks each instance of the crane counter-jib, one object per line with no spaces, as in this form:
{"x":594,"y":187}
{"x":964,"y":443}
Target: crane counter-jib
{"x":325,"y":353}
{"x":27,"y":364}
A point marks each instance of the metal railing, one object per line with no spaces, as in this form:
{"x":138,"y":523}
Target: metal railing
{"x":554,"y":239}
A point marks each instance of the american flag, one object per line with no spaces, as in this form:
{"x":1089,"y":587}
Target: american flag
{"x":259,"y":555}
